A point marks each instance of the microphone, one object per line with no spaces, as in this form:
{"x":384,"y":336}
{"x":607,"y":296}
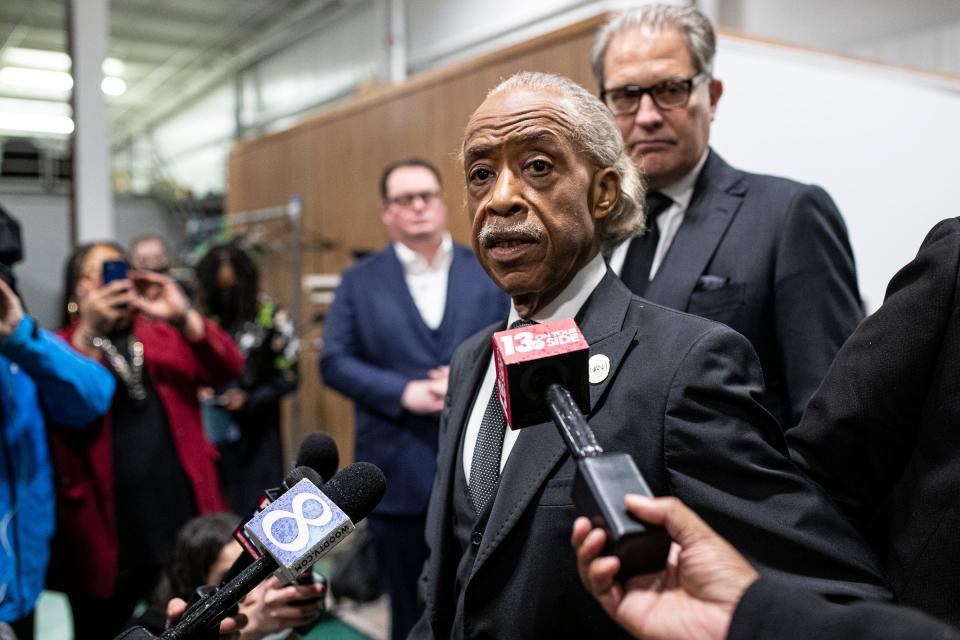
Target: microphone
{"x":542,"y":374}
{"x":318,"y":451}
{"x":294,"y":531}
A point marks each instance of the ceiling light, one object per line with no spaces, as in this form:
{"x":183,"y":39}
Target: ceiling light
{"x":37,"y":58}
{"x":36,"y":78}
{"x":113,"y":86}
{"x":35,"y":123}
{"x":38,"y":107}
{"x":112,"y":67}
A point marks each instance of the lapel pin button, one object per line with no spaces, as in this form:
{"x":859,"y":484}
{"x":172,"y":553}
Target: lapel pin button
{"x":599,"y":367}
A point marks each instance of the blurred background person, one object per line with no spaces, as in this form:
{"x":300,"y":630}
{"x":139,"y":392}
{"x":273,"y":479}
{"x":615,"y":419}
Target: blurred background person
{"x":243,"y":417}
{"x":203,"y":552}
{"x":128,"y":482}
{"x":149,"y":252}
{"x":41,"y":380}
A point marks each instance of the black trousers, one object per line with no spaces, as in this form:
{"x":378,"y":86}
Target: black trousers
{"x":105,"y":619}
{"x":402,"y":550}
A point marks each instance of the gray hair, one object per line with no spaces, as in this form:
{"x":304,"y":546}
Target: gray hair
{"x":689,"y":21}
{"x":596,"y":135}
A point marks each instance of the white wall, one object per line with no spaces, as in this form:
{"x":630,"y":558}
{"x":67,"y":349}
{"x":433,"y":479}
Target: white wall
{"x":882,"y":142}
{"x":437,"y":29}
{"x":325,"y":66}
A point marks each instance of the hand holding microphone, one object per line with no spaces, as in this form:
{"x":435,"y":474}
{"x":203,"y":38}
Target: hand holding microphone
{"x":693,"y":597}
{"x":294,"y":532}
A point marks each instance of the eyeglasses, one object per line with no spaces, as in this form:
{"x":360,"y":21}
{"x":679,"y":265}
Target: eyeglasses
{"x":407,"y":199}
{"x":667,"y":95}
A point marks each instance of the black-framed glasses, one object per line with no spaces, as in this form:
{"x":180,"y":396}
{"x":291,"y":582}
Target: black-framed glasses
{"x":666,"y":95}
{"x":407,"y":199}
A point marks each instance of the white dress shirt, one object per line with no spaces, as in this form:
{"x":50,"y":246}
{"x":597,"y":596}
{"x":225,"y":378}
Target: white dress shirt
{"x":427,"y":281}
{"x":565,"y":305}
{"x":668,"y":222}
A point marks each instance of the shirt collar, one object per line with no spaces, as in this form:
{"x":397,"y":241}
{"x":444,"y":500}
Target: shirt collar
{"x":568,"y":303}
{"x":414,"y":262}
{"x":681,"y":191}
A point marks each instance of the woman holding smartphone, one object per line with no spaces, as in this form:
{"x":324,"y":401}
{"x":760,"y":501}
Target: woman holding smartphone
{"x":127,"y":484}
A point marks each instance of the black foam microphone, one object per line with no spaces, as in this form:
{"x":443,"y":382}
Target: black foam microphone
{"x":537,"y":367}
{"x":348,"y":497}
{"x":318,"y":451}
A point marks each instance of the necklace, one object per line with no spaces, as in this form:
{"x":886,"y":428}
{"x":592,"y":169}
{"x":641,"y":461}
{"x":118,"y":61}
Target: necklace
{"x":130,"y":373}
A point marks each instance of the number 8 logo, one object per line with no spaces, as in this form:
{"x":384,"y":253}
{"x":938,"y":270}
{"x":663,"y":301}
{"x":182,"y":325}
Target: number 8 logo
{"x":303,"y":523}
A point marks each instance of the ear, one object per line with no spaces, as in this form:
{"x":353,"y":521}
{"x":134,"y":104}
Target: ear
{"x":604,"y":192}
{"x":385,"y":214}
{"x":716,"y":90}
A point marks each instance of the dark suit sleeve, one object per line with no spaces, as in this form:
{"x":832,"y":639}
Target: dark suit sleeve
{"x":862,"y":424}
{"x":726,"y":459}
{"x":771,"y":611}
{"x":817,"y":302}
{"x":342,"y":364}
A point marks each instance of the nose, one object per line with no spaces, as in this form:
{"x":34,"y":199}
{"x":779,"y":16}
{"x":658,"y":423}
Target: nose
{"x":648,"y":116}
{"x":505,"y":197}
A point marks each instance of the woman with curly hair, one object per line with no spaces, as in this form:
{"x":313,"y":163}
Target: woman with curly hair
{"x":244,"y":420}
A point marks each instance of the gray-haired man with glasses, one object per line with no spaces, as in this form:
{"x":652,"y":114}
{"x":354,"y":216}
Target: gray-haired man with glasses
{"x":767,"y":256}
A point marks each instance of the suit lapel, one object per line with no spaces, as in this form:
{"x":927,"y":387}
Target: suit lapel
{"x":716,"y":198}
{"x":539,"y":448}
{"x":601,"y":321}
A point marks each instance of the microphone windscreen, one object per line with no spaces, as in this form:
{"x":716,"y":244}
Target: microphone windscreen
{"x":319,"y":452}
{"x":356,"y":489}
{"x":303,"y":472}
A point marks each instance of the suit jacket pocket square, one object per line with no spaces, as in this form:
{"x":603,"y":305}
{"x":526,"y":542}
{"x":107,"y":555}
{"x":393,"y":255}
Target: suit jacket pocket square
{"x":720,"y":295}
{"x":711,"y":283}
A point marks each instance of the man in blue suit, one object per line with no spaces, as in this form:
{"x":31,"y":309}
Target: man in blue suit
{"x":397,"y":318}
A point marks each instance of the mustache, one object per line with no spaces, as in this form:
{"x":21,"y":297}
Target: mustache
{"x":520,"y":230}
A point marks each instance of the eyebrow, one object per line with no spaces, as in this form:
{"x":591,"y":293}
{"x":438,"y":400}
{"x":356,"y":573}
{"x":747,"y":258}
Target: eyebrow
{"x":483,"y":149}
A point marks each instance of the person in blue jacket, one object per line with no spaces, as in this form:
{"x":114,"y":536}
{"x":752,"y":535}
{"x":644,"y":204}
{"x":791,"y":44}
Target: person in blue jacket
{"x":41,"y":379}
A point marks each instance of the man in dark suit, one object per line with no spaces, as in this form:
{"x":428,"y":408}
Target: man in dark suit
{"x":766,"y":256}
{"x":882,"y":434}
{"x":548,"y":186}
{"x":397,"y":318}
{"x":709,"y":592}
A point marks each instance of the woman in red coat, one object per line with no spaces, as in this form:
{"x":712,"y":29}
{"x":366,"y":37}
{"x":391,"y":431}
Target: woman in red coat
{"x":127,"y":484}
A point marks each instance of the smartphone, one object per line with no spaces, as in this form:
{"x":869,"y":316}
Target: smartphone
{"x":114,"y":270}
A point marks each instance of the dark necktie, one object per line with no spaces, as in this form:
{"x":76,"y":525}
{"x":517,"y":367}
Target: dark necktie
{"x":485,"y":468}
{"x":636,"y":266}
